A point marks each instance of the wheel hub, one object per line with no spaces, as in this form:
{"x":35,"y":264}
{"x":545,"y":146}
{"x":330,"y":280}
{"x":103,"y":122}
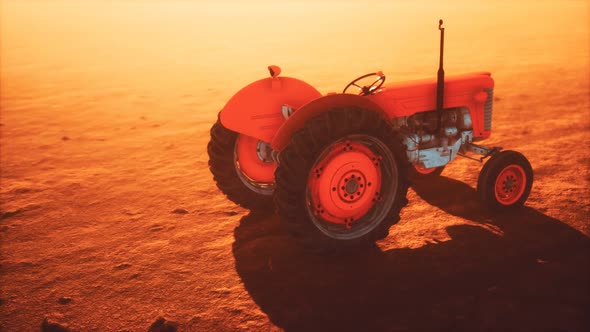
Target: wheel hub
{"x":352,"y":186}
{"x":345,"y":184}
{"x":510,"y":184}
{"x":253,"y":161}
{"x":264,"y":152}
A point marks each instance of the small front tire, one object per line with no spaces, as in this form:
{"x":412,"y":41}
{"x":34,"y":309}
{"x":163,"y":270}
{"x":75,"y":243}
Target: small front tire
{"x":417,"y":172}
{"x":505,"y":181}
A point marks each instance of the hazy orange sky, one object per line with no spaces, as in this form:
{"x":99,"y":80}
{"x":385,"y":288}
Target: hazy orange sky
{"x":158,"y":44}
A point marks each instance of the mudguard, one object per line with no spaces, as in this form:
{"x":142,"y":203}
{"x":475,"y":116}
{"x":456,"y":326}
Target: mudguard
{"x":316,"y":107}
{"x":255,"y":110}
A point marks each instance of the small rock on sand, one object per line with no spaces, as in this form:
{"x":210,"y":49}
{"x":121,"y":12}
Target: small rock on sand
{"x":180,"y":211}
{"x":64,"y":300}
{"x":163,"y":325}
{"x":54,"y":323}
{"x":122,"y":266}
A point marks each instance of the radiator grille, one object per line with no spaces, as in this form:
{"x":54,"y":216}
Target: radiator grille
{"x":487,"y":109}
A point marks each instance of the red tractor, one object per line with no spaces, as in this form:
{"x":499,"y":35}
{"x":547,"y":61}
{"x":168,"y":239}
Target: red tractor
{"x":337,"y":167}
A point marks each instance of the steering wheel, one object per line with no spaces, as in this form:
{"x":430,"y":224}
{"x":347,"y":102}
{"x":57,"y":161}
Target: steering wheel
{"x":367,"y":90}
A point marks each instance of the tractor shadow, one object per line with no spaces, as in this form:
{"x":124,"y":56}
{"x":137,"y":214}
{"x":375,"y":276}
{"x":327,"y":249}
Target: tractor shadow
{"x":533,"y":277}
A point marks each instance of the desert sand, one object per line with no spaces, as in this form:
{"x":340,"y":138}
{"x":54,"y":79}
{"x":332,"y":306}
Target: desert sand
{"x":110,"y":217}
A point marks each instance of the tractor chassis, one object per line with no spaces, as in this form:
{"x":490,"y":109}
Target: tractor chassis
{"x":449,"y":148}
{"x":484,"y":151}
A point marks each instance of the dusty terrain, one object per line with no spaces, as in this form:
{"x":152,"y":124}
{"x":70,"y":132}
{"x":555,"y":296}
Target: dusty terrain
{"x":110,"y":218}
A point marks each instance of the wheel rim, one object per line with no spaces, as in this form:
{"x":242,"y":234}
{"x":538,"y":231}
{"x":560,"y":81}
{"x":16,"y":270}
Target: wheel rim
{"x":351,"y":187}
{"x":424,"y":171}
{"x":254,"y":170}
{"x":510,"y":184}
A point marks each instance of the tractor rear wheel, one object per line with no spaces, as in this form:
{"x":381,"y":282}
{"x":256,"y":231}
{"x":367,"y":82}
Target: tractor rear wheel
{"x":505,"y":181}
{"x":237,"y":169}
{"x":342,"y":180}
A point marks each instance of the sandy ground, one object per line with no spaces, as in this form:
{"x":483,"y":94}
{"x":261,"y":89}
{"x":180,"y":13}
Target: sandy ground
{"x":110,"y":218}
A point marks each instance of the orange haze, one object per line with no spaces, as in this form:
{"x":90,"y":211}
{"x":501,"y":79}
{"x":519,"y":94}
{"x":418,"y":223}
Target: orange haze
{"x":105,"y":112}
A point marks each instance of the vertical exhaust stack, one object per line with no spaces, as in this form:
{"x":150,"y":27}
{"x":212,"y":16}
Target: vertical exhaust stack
{"x":440,"y":82}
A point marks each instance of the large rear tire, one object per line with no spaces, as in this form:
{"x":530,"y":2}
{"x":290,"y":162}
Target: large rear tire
{"x":230,"y":179}
{"x":342,"y":181}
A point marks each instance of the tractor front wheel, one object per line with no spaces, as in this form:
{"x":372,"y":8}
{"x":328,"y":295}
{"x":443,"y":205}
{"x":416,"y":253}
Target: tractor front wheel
{"x":342,"y":180}
{"x":417,"y":172}
{"x":505,"y":181}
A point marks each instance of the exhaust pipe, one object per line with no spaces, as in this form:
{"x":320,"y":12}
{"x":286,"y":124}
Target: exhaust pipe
{"x":440,"y":82}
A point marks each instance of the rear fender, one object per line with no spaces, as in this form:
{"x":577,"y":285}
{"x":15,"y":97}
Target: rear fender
{"x":255,"y":110}
{"x":315,"y":108}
